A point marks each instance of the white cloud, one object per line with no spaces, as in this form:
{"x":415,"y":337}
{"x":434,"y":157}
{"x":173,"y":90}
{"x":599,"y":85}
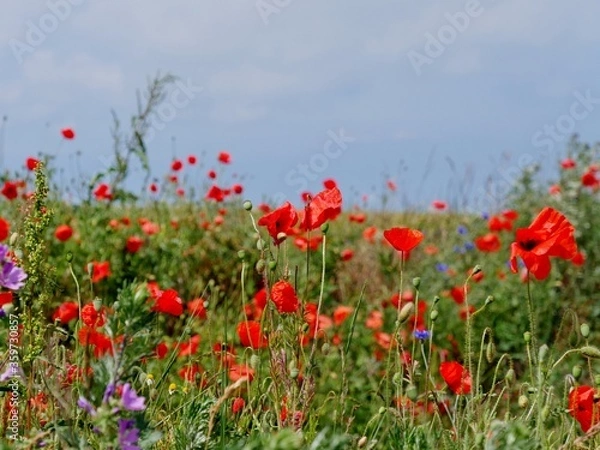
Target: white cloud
{"x":80,"y":69}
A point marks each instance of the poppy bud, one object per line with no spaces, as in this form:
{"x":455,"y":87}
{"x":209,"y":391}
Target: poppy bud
{"x":294,"y":373}
{"x":242,"y":255}
{"x":382,"y":410}
{"x":590,"y":352}
{"x":597,"y":380}
{"x":260,"y":244}
{"x":260,"y":265}
{"x":527,"y":337}
{"x":411,"y":392}
{"x":13,"y":238}
{"x":406,"y":311}
{"x":585,"y":330}
{"x":69,"y":257}
{"x":489,"y":299}
{"x":248,"y":205}
{"x":97,"y":304}
{"x":476,"y":269}
{"x":362,"y":441}
{"x":417,"y":282}
{"x":272,"y":264}
{"x":436,"y":299}
{"x":510,"y":376}
{"x":90,"y":268}
{"x":523,"y":401}
{"x":434,"y":315}
{"x":254,"y":361}
{"x":116,"y":305}
{"x":490,"y":352}
{"x":397,"y":379}
{"x":325,"y":228}
{"x":543,"y":352}
{"x":281,"y":236}
{"x":325,"y":348}
{"x":576,"y":372}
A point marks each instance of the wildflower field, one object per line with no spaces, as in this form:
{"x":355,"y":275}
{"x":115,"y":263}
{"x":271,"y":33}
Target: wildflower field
{"x":188,"y":317}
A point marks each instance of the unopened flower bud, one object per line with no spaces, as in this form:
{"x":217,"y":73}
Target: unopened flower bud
{"x":510,"y":376}
{"x":69,"y":257}
{"x":523,"y":401}
{"x":406,"y":311}
{"x":543,"y":352}
{"x":527,"y":337}
{"x":417,"y":282}
{"x":490,"y":352}
{"x":476,"y":269}
{"x":436,"y":299}
{"x":576,"y":372}
{"x":13,"y":238}
{"x":590,"y":352}
{"x":242,"y":255}
{"x":434,"y":315}
{"x":272,"y":264}
{"x":362,"y":441}
{"x":260,"y":244}
{"x":247,"y":205}
{"x":325,"y":228}
{"x":411,"y":392}
{"x":489,"y":299}
{"x":281,"y":236}
{"x":260,"y":265}
{"x":585,"y":330}
{"x":254,"y":361}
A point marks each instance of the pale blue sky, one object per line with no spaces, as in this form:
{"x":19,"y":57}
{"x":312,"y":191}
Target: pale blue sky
{"x":272,"y":80}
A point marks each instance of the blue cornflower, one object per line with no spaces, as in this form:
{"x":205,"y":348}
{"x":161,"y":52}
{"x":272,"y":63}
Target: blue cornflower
{"x":462,"y":230}
{"x":421,"y":335}
{"x":469,"y":246}
{"x":441,"y":267}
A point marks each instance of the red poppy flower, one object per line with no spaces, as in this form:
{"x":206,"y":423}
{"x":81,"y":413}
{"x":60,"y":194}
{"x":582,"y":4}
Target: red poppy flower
{"x":488,"y":243}
{"x":238,"y":371}
{"x":497,"y":224}
{"x":369,"y":234}
{"x":549,"y":235}
{"x":284,"y":297}
{"x":9,"y":190}
{"x":341,"y":313}
{"x":153,"y":188}
{"x":357,"y":217}
{"x":100,"y":270}
{"x":161,"y":350}
{"x":403,"y":239}
{"x":554,"y":189}
{"x":191,"y":372}
{"x":216,"y":193}
{"x":578,"y":259}
{"x":224,"y":157}
{"x":374,"y":320}
{"x":439,"y":205}
{"x":589,"y":179}
{"x":279,"y":221}
{"x":4,"y":229}
{"x":568,"y":163}
{"x":212,"y":174}
{"x":91,"y":317}
{"x":189,"y":347}
{"x":191,"y":160}
{"x":68,"y":133}
{"x":238,"y":405}
{"x":102,"y":192}
{"x":250,"y":334}
{"x":31,"y":163}
{"x":329,"y":183}
{"x":304,"y":244}
{"x":347,"y":254}
{"x":458,"y":294}
{"x":391,"y":186}
{"x":133,"y":244}
{"x":456,"y":377}
{"x":583,"y":407}
{"x":149,"y":228}
{"x":196,"y":308}
{"x":66,"y":312}
{"x":63,"y":232}
{"x":510,"y":214}
{"x":169,"y":303}
{"x":176,"y":165}
{"x":326,"y":205}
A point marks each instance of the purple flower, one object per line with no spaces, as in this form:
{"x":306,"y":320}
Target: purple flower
{"x":128,"y":434}
{"x":131,"y":401}
{"x":84,"y":404}
{"x":421,"y":335}
{"x":11,"y":276}
{"x":108,"y":392}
